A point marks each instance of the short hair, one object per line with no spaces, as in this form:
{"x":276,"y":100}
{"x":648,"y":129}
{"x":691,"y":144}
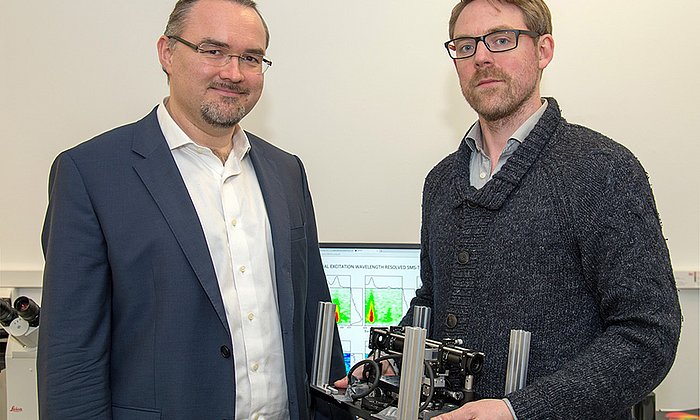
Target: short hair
{"x":178,"y":17}
{"x":535,"y":12}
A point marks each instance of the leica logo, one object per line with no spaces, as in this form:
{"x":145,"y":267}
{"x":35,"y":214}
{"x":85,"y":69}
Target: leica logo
{"x":15,"y":409}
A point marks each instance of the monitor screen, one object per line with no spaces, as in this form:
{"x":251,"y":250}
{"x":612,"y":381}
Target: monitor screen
{"x":371,"y":285}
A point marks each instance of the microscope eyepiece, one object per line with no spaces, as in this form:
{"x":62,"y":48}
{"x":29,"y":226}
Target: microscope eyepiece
{"x":28,"y":310}
{"x":7,"y":313}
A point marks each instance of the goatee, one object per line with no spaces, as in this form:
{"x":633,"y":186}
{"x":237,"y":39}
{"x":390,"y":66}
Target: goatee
{"x":228,"y":111}
{"x":226,"y":118}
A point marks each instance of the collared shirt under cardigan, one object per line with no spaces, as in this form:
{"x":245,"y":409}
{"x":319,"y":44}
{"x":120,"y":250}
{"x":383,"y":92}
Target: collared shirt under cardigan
{"x":480,"y":166}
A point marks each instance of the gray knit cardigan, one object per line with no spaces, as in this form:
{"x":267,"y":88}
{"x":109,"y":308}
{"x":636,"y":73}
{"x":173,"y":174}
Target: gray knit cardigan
{"x":564,"y":242}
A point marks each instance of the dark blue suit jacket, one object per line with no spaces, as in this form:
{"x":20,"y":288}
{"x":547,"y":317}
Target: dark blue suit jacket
{"x":133,"y":324}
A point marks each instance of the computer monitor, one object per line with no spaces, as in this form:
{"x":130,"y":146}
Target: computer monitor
{"x":372,"y":284}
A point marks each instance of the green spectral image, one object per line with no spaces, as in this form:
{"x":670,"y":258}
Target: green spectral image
{"x":341,"y":298}
{"x":383,"y":306}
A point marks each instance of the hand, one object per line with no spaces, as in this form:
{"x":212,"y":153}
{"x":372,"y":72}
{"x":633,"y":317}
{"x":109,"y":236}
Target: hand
{"x":342,"y":383}
{"x":479,"y":410}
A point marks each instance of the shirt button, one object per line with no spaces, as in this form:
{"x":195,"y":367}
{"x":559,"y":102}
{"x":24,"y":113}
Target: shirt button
{"x":462,"y":257}
{"x":225,"y":352}
{"x":250,"y":316}
{"x":482,"y":175}
{"x":234,"y":222}
{"x":256,"y":416}
{"x":242,"y":269}
{"x":255,"y":367}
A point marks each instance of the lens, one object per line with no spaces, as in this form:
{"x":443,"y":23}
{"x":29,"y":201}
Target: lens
{"x":7,"y":313}
{"x":28,"y":310}
{"x":462,"y":47}
{"x":475,"y":363}
{"x":501,"y":41}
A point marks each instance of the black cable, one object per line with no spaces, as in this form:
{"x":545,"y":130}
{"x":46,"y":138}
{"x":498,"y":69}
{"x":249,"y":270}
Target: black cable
{"x":377,"y":370}
{"x":431,"y":375}
{"x":374,"y":384}
{"x":389,"y":357}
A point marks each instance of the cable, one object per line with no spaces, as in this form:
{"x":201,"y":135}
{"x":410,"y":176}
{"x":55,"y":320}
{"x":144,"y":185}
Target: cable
{"x":429,"y":370}
{"x":431,"y":375}
{"x":375,"y":365}
{"x":375,"y":382}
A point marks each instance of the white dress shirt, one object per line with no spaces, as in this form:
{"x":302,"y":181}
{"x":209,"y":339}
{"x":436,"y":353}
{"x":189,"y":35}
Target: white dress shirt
{"x":231,"y":210}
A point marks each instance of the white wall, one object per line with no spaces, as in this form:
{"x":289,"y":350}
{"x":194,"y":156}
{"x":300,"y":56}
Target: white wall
{"x":364,"y":92}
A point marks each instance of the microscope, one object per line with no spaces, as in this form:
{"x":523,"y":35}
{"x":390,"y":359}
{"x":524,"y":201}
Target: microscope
{"x":21,"y":321}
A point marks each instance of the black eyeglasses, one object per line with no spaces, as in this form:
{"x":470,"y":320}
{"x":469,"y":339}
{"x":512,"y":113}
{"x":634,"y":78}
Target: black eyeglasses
{"x":498,"y":41}
{"x":217,"y":56}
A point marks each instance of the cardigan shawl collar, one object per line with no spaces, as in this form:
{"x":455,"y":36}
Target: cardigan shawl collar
{"x":496,"y":191}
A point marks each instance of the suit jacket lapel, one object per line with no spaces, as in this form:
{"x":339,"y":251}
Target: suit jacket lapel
{"x":160,"y":175}
{"x":267,"y":173}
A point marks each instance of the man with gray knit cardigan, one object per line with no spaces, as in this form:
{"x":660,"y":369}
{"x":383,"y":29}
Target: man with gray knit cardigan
{"x":545,"y":226}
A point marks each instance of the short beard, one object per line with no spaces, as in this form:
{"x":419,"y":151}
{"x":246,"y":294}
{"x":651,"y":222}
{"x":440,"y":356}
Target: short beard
{"x":214,"y":114}
{"x":507,"y":107}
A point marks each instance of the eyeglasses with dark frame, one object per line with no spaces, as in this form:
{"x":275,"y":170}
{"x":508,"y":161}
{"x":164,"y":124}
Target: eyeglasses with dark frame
{"x":217,"y":56}
{"x":497,"y":41}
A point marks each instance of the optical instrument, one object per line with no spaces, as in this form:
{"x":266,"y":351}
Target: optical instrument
{"x":430,"y":377}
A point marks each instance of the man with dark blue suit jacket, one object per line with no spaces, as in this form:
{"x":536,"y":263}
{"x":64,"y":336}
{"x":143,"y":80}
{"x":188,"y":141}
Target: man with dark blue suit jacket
{"x":182,"y":272}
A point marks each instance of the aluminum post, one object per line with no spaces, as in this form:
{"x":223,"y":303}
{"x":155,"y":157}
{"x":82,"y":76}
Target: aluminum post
{"x":323,"y":345}
{"x":412,"y":373}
